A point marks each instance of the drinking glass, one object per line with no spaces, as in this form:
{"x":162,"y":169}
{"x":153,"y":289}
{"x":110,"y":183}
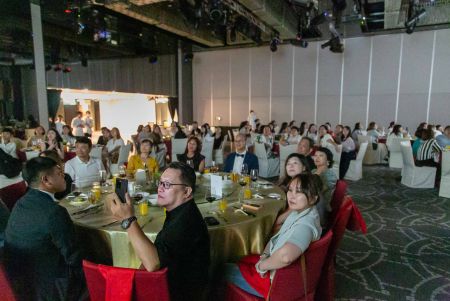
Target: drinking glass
{"x":254,"y":176}
{"x":122,"y":171}
{"x":103,"y":176}
{"x":214,"y":167}
{"x":244,"y":169}
{"x":243,"y":183}
{"x":210,"y":198}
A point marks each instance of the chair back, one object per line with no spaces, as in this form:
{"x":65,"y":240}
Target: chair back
{"x":407,"y":155}
{"x":207,"y":151}
{"x":6,"y":291}
{"x":218,"y":153}
{"x":285,"y":151}
{"x":148,"y":286}
{"x":362,"y":151}
{"x":394,"y":145}
{"x":288,"y":281}
{"x":96,"y":152}
{"x":363,"y":138}
{"x":336,"y":157}
{"x":336,"y":201}
{"x":12,"y":193}
{"x":178,"y":147}
{"x":124,"y":153}
{"x":445,"y":171}
{"x":327,"y":281}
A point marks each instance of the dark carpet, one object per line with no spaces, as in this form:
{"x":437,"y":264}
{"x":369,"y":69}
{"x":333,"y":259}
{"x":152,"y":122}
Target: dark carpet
{"x":406,"y":252}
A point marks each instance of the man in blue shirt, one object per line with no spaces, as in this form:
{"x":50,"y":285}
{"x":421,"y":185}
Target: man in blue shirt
{"x":444,"y":139}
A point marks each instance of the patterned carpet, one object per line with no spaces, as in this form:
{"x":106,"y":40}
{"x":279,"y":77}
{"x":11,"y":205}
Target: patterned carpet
{"x":406,"y":252}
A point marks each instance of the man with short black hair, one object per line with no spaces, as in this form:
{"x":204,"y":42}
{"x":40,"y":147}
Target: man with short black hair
{"x":305,"y":148}
{"x":83,"y":169}
{"x":241,"y":156}
{"x":444,"y":139}
{"x":183,"y":243}
{"x":41,"y":251}
{"x":7,"y":144}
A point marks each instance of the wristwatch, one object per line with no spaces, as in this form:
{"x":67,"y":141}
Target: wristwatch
{"x":126,"y":223}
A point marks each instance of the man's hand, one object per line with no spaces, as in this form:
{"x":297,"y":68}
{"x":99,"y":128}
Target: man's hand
{"x":120,"y":210}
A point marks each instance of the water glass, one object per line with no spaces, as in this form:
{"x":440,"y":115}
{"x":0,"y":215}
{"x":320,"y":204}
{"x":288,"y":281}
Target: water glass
{"x":244,"y":169}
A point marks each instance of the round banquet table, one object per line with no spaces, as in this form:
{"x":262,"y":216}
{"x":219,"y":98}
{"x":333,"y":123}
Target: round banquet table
{"x":237,"y":234}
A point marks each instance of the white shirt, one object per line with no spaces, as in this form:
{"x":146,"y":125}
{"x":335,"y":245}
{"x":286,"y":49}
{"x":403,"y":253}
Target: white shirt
{"x":59,"y":126}
{"x":112,"y":144}
{"x":238,"y":161}
{"x":5,"y":181}
{"x":294,"y":140}
{"x":82,"y":173}
{"x":9,"y":148}
{"x":324,"y":141}
{"x":77,"y":126}
{"x":89,"y":123}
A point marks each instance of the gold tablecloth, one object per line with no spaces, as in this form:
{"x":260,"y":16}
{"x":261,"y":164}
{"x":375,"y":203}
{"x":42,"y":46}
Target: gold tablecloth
{"x":236,"y":236}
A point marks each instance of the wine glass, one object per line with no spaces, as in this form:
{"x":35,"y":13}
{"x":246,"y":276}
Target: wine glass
{"x":242,"y":182}
{"x":244,"y":169}
{"x":214,"y":168}
{"x":103,"y":176}
{"x":122,"y":171}
{"x":210,"y":198}
{"x":254,"y":176}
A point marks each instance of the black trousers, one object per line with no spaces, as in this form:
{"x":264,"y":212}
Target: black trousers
{"x":346,"y":157}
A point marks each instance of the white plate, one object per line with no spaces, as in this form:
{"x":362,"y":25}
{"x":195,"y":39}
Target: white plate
{"x":274,"y":195}
{"x":79,"y":200}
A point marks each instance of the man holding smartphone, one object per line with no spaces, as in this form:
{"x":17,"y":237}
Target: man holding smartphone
{"x":183,"y":243}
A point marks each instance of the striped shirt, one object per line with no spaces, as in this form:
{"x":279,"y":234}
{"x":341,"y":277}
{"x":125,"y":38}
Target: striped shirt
{"x":428,"y":149}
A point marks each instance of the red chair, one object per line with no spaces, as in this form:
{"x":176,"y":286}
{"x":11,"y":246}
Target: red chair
{"x":12,"y":193}
{"x":338,"y":197}
{"x":341,"y":222}
{"x":288,"y":282}
{"x":146,"y":286}
{"x":6,"y":291}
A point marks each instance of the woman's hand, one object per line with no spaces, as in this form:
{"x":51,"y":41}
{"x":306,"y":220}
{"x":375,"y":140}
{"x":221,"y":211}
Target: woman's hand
{"x":262,"y":273}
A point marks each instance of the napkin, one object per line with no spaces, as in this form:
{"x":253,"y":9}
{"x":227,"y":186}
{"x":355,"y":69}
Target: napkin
{"x":216,"y":185}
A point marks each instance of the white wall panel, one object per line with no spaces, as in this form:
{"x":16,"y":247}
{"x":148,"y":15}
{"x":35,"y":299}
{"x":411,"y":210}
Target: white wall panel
{"x":329,"y":87}
{"x":239,"y":77}
{"x":260,"y":83}
{"x":356,"y":74}
{"x":440,"y":88}
{"x":415,"y":79}
{"x":282,"y":65}
{"x":383,"y":92}
{"x":221,"y":88}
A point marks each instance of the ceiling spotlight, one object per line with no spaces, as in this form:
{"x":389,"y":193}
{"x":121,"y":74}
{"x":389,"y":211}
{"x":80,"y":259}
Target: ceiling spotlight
{"x":153,"y":59}
{"x":411,"y":23}
{"x":67,"y":69}
{"x":58,"y":67}
{"x":48,"y":67}
{"x":299,"y":41}
{"x":188,"y":57}
{"x":274,"y":43}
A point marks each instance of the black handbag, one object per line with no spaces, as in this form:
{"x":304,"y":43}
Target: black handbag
{"x":9,"y":166}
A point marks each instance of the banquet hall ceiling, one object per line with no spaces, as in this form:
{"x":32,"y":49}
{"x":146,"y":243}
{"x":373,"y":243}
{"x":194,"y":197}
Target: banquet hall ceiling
{"x":86,"y":29}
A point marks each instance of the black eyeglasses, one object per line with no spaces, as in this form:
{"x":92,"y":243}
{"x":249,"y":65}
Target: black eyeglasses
{"x":168,"y":185}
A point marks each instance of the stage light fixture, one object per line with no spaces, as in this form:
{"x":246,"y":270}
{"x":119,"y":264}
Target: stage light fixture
{"x":153,"y":59}
{"x":274,"y":43}
{"x":188,"y":57}
{"x":67,"y":69}
{"x":411,"y":23}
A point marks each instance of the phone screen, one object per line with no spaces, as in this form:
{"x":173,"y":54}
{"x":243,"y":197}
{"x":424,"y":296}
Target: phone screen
{"x":121,"y":189}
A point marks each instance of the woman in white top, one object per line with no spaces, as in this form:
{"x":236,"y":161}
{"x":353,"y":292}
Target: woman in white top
{"x":357,"y":131}
{"x":397,"y":132}
{"x":372,"y":131}
{"x":67,"y":136}
{"x":325,"y":138}
{"x":312,"y":132}
{"x":38,"y":138}
{"x":54,"y":143}
{"x":113,"y":145}
{"x":293,"y":138}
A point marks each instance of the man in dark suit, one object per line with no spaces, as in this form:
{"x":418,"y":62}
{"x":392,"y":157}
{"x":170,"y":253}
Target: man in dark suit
{"x":305,"y":148}
{"x":41,"y":253}
{"x":235,"y":160}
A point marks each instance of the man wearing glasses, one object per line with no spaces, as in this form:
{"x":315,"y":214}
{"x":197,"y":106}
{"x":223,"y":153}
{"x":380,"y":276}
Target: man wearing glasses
{"x":183,"y":243}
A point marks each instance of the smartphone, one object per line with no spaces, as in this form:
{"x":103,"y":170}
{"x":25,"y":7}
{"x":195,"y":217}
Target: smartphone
{"x":211,"y":221}
{"x":121,"y":189}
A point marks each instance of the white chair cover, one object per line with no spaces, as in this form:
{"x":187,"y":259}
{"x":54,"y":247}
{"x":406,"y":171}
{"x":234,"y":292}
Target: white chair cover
{"x":395,"y":153}
{"x":268,"y":167}
{"x":285,"y":151}
{"x":444,"y":189}
{"x":96,"y":152}
{"x":31,"y":154}
{"x":218,"y":153}
{"x":354,"y":172}
{"x":178,"y":147}
{"x":373,"y":156}
{"x":412,"y":175}
{"x":124,"y":153}
{"x":207,"y":151}
{"x":336,"y":158}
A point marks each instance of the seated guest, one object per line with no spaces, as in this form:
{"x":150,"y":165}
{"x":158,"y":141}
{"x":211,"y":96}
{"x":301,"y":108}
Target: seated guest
{"x":179,"y":134}
{"x":312,"y":132}
{"x":4,"y":216}
{"x":83,"y":169}
{"x":142,"y":159}
{"x":428,"y":151}
{"x":373,"y":133}
{"x":41,"y":252}
{"x":218,"y":138}
{"x":54,"y":156}
{"x":305,"y":148}
{"x":295,"y":164}
{"x":235,"y":160}
{"x":144,"y":134}
{"x":54,"y":143}
{"x":194,"y":126}
{"x":39,"y":136}
{"x":300,"y":227}
{"x":7,"y":145}
{"x":418,"y":142}
{"x":357,"y":131}
{"x":337,"y":134}
{"x":323,"y":159}
{"x":444,"y":139}
{"x":266,"y":138}
{"x":293,"y":137}
{"x":325,"y":139}
{"x":192,"y":155}
{"x":206,"y":130}
{"x":183,"y":243}
{"x":105,"y":137}
{"x":112,"y":148}
{"x":348,"y":151}
{"x":67,"y":135}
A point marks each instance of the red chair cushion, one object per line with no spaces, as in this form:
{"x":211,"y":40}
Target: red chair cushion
{"x":119,"y":283}
{"x":247,"y":267}
{"x":12,"y":193}
{"x":6,"y":292}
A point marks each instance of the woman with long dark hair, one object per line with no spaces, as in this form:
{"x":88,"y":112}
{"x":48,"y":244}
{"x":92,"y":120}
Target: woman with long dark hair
{"x":192,"y":154}
{"x":348,"y":151}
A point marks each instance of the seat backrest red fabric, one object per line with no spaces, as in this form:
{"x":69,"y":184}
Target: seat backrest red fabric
{"x":151,"y":286}
{"x":12,"y":193}
{"x":338,"y":197}
{"x":288,"y":281}
{"x":6,"y":291}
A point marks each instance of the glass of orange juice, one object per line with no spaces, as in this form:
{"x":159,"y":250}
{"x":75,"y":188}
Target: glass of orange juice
{"x":143,"y":208}
{"x":223,"y":205}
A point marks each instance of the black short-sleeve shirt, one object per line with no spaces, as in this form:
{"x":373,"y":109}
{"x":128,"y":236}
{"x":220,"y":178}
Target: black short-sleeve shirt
{"x":183,"y":247}
{"x":197,"y":159}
